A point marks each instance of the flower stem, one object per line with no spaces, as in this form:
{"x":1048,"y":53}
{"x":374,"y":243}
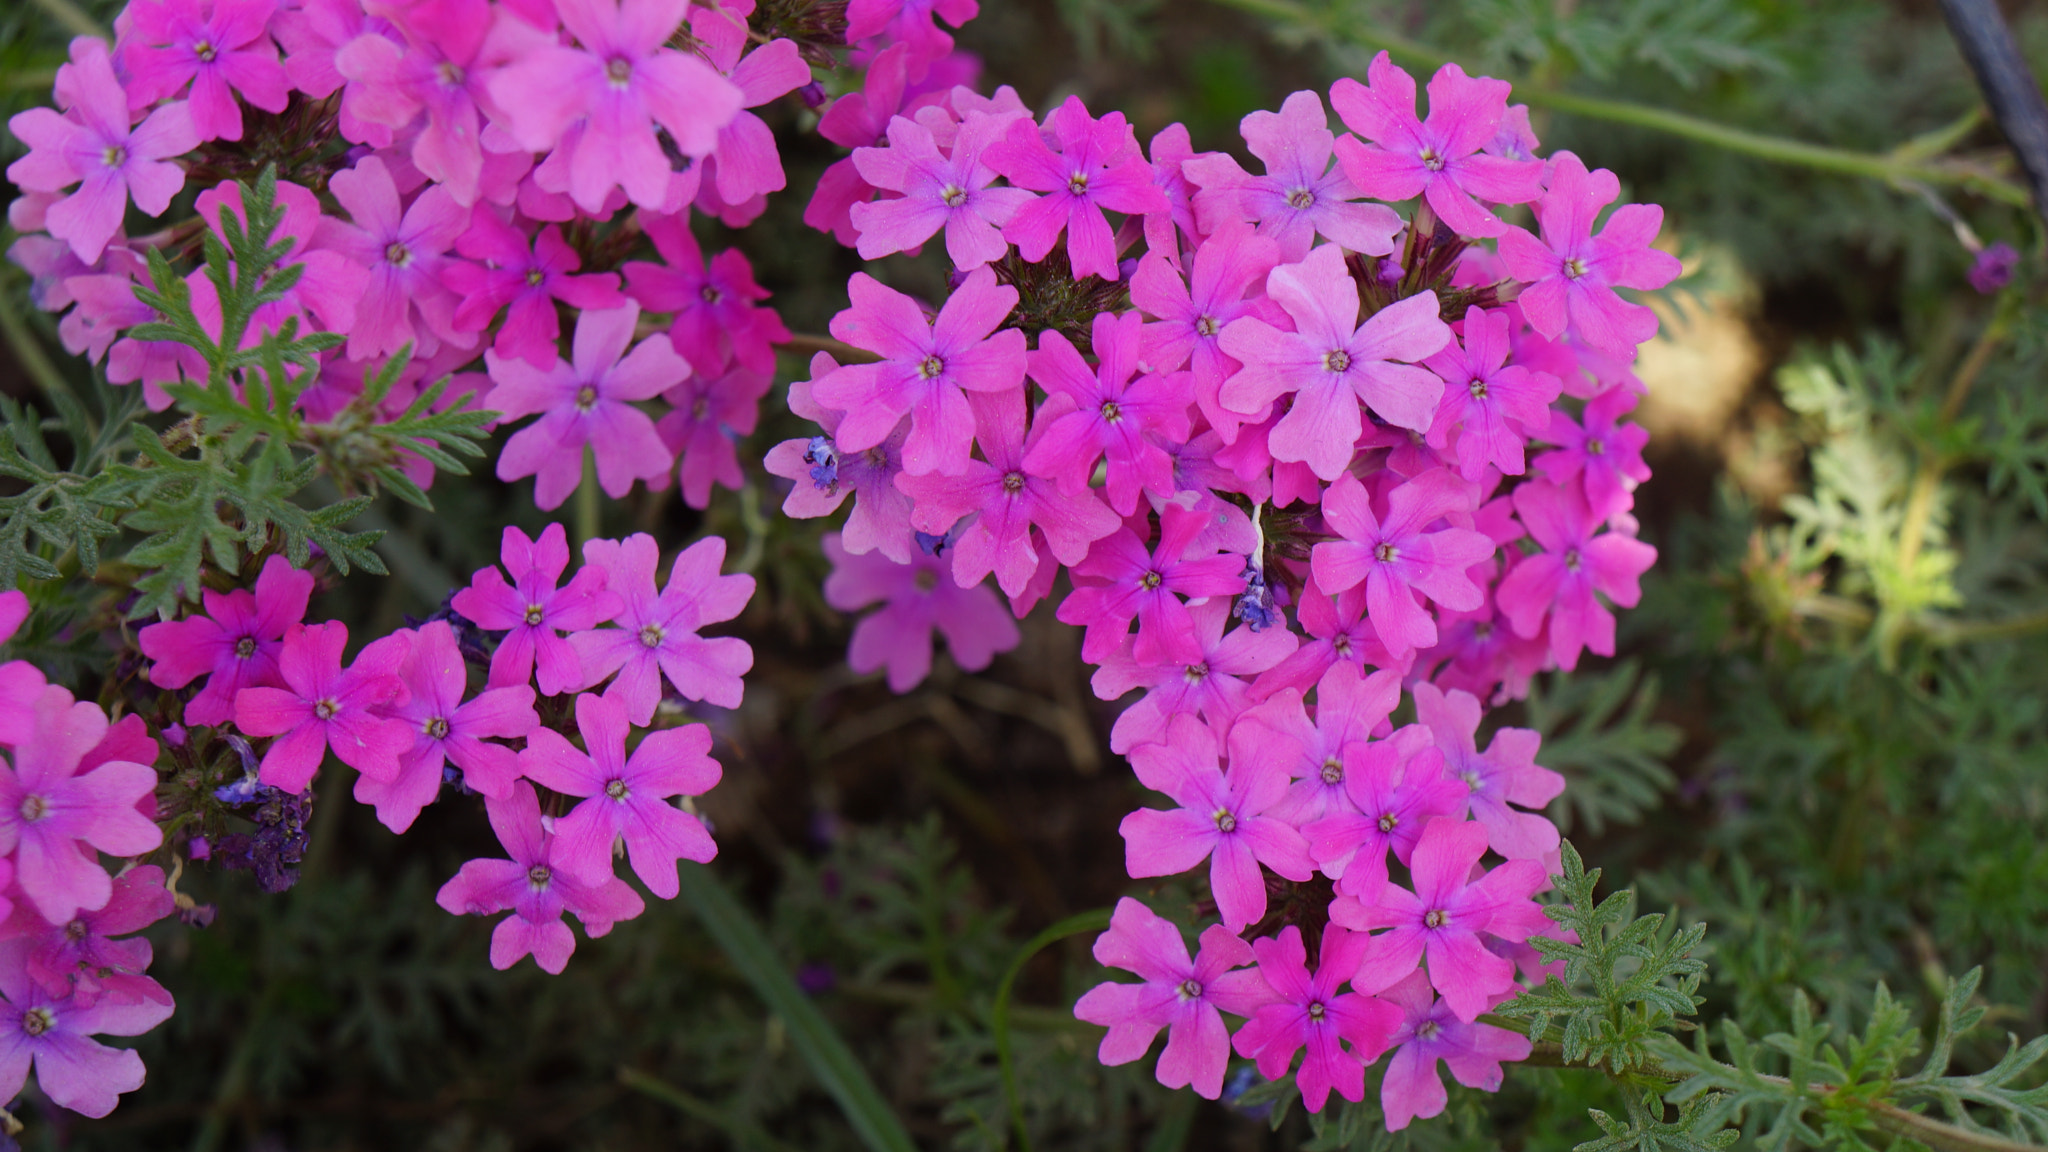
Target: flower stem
{"x":27,"y":349}
{"x":1889,"y":167}
{"x":589,"y":512}
{"x":999,"y":1014}
{"x":72,"y":17}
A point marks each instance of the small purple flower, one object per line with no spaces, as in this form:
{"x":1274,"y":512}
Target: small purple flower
{"x":1993,"y":267}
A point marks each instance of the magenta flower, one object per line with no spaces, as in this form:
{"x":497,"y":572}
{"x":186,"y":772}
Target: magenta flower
{"x":925,"y":370}
{"x":1393,"y":788}
{"x":1598,"y":451}
{"x":533,"y":611}
{"x":626,"y":798}
{"x":1185,"y":997}
{"x":54,"y":1035}
{"x":1429,"y":1032}
{"x":1506,"y":773}
{"x":82,"y":960}
{"x":823,"y":477}
{"x":329,"y":289}
{"x":1098,"y":166}
{"x":657,"y":636}
{"x":96,"y":147}
{"x":1191,"y":316}
{"x":714,"y":304}
{"x":1120,"y":582}
{"x":1330,"y":362}
{"x":56,"y":813}
{"x":622,"y":81}
{"x":587,"y":400}
{"x":322,"y":706}
{"x":406,"y":256}
{"x":1111,"y":414}
{"x":744,"y":164}
{"x":1311,"y":1013}
{"x":14,"y":609}
{"x":708,"y":412}
{"x":1300,"y":197}
{"x":537,"y":887}
{"x":916,"y":599}
{"x":1560,"y":581}
{"x":1572,"y":274}
{"x":1493,"y":406}
{"x":1350,"y":709}
{"x":1439,"y":159}
{"x":939,"y":191}
{"x":1213,"y":687}
{"x":220,"y":47}
{"x":1338,"y":632}
{"x":1006,"y":501}
{"x":435,"y":71}
{"x":447,"y":730}
{"x":1221,"y":819}
{"x":527,"y":280}
{"x":1396,"y":557}
{"x":235,"y":645}
{"x":1443,"y":917}
{"x":909,"y":22}
{"x":860,"y":120}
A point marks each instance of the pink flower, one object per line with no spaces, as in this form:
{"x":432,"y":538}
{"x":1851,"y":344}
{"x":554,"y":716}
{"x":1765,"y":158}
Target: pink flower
{"x":939,"y":191}
{"x":80,"y":959}
{"x":1300,"y":196}
{"x":527,"y":279}
{"x":917,"y":598}
{"x":436,"y":71}
{"x":1560,"y":581}
{"x":1338,"y":632}
{"x":744,"y":163}
{"x":1311,"y":1013}
{"x":657,"y":636}
{"x":909,"y":22}
{"x":714,"y":304}
{"x":54,"y":1035}
{"x":533,"y":611}
{"x":1493,"y":406}
{"x":1187,"y":998}
{"x":1110,"y":415}
{"x":448,"y":730}
{"x":1506,"y":773}
{"x":860,"y":120}
{"x":406,"y":256}
{"x":1430,"y":1032}
{"x":1191,"y":317}
{"x":1393,"y":789}
{"x":1443,"y":917}
{"x":321,"y":705}
{"x":1600,"y":452}
{"x":1330,"y":362}
{"x":1212,"y":687}
{"x":51,"y":810}
{"x":1350,"y":708}
{"x":925,"y":370}
{"x":1098,"y":166}
{"x":1120,"y":581}
{"x":622,"y":80}
{"x":536,"y":886}
{"x":626,"y":798}
{"x":96,"y":147}
{"x":235,"y":645}
{"x":219,"y":46}
{"x":327,"y":292}
{"x":1006,"y":501}
{"x":709,"y":411}
{"x":1572,"y":274}
{"x":1396,"y":557}
{"x":823,"y":476}
{"x":1221,"y":819}
{"x":1438,"y":159}
{"x":587,"y":401}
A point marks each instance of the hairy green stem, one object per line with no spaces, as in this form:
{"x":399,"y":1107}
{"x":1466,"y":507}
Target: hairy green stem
{"x":1096,"y":920}
{"x":1890,"y":167}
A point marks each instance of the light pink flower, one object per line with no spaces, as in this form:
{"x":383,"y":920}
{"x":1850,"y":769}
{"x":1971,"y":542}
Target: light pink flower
{"x":938,"y":191}
{"x":1506,"y":773}
{"x":322,"y":705}
{"x":447,"y":730}
{"x":235,"y":645}
{"x":1572,"y":274}
{"x":823,"y":476}
{"x":1212,"y":686}
{"x":1300,"y":196}
{"x":1560,"y":581}
{"x":1398,"y":556}
{"x":54,"y":1034}
{"x":1311,"y":1013}
{"x":656,"y":635}
{"x":406,"y":254}
{"x":1110,"y":415}
{"x":1098,"y":166}
{"x":219,"y":46}
{"x":917,"y":598}
{"x":1431,"y":1031}
{"x":56,"y":814}
{"x":708,"y":412}
{"x":1492,"y":406}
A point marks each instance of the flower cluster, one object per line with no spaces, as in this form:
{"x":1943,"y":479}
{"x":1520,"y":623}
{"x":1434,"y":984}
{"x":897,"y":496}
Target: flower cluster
{"x":1304,"y":460}
{"x":454,"y":174}
{"x":73,"y":786}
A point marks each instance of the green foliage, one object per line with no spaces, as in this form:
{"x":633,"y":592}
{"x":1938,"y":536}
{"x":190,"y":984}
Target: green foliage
{"x":1600,"y":729}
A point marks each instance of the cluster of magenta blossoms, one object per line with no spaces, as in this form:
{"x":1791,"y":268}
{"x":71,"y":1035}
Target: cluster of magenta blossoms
{"x":1313,"y":464}
{"x":457,"y":175}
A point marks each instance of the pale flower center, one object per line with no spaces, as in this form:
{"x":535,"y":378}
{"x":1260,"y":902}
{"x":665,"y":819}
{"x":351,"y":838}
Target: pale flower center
{"x":1389,"y":822}
{"x":1196,"y":673}
{"x":930,"y":367}
{"x":436,"y":728}
{"x":1337,"y":361}
{"x":34,"y":808}
{"x":448,"y":73}
{"x":37,"y":1021}
{"x":953,"y":196}
{"x":1571,"y":560}
{"x":616,"y":789}
{"x":1386,"y":553}
{"x":327,"y":709}
{"x":1301,"y":198}
{"x":1431,"y":160}
{"x":1596,"y":447}
{"x":539,"y":875}
{"x":113,"y":156}
{"x":1427,"y":1030}
{"x":1333,"y":770}
{"x":1189,"y":990}
{"x":1149,"y":581}
{"x":1111,"y":412}
{"x":205,"y":51}
{"x":535,"y":614}
{"x":1013,"y":482}
{"x":1435,"y":918}
{"x":1315,"y":1011}
{"x":1478,"y":389}
{"x":711,"y":295}
{"x":586,"y":397}
{"x":1575,"y":268}
{"x":1226,"y":821}
{"x":1078,"y":183}
{"x":397,"y":254}
{"x":1206,"y":326}
{"x":245,"y":647}
{"x":652,"y":635}
{"x":619,"y":71}
{"x":534,"y":276}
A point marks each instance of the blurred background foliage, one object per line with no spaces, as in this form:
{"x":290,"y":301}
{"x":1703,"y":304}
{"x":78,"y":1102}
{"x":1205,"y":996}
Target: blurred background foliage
{"x":1824,"y":736}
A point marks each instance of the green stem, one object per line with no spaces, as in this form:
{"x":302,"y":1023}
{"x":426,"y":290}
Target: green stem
{"x":1891,"y":167}
{"x":1967,"y":631}
{"x":744,"y":1134}
{"x":830,"y":1060}
{"x":999,"y":1015}
{"x":72,"y":17}
{"x":27,"y":349}
{"x":589,"y":512}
